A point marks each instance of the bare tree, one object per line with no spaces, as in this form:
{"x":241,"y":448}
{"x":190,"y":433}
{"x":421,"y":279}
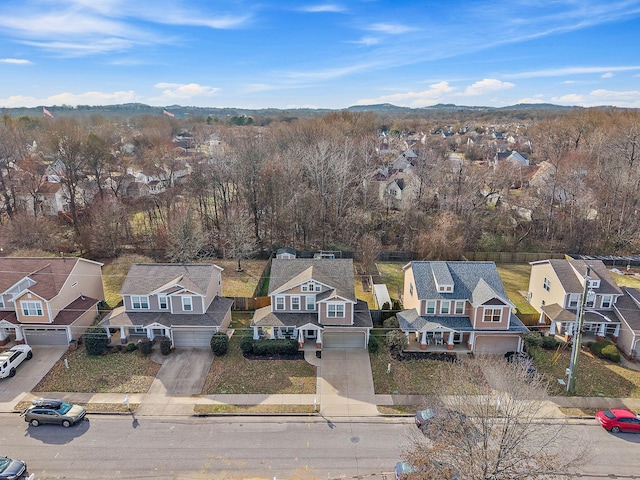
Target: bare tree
{"x":492,"y":428}
{"x":239,"y":240}
{"x":185,"y":238}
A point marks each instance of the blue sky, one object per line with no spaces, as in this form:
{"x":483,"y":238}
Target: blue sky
{"x":294,"y":54}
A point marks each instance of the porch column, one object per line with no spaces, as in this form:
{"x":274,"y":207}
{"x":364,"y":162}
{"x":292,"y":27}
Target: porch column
{"x":106,"y":329}
{"x":423,"y":340}
{"x":616,"y":334}
{"x":4,"y":337}
{"x":123,"y":335}
{"x":318,"y":340}
{"x":300,"y":339}
{"x":450,"y":341}
{"x":569,"y":331}
{"x":552,"y":328}
{"x":272,"y":335}
{"x":255,"y":333}
{"x":19,"y":336}
{"x":471,"y":341}
{"x":601,"y":332}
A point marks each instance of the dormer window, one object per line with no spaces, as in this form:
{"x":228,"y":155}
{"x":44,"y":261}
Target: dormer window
{"x":311,"y":287}
{"x":594,"y":283}
{"x":445,"y":288}
{"x":139,"y":302}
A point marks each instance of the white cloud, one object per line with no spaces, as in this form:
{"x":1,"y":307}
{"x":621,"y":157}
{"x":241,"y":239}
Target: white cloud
{"x":92,"y":98}
{"x":367,"y":41}
{"x":17,"y":101}
{"x":328,"y":7}
{"x":390,"y":28}
{"x":607,"y":75}
{"x":485,"y":86}
{"x":179,"y":91}
{"x":15,"y":61}
{"x":435,"y":93}
{"x":557,"y":72}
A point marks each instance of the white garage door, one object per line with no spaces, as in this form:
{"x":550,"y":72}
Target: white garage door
{"x":193,"y":337}
{"x":45,"y":336}
{"x":495,"y":344}
{"x":343,"y":340}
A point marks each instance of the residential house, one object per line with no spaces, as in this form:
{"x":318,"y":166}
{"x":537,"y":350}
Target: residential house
{"x":555,"y":291}
{"x":627,"y":309}
{"x":459,"y":306}
{"x":181,"y":301}
{"x":314,"y":301}
{"x":48,"y":301}
{"x":286,"y":253}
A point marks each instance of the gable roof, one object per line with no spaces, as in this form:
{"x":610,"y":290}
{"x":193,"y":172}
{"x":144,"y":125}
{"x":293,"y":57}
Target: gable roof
{"x":570,"y":272}
{"x":476,"y":281}
{"x":146,"y":278}
{"x":48,"y":273}
{"x":336,"y":273}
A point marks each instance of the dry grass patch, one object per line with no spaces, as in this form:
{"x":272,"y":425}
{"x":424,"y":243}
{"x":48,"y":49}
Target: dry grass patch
{"x":240,"y":284}
{"x":202,"y":409}
{"x":233,"y":373}
{"x":128,"y":372}
{"x":92,"y":407}
{"x":578,"y":412}
{"x":114,"y":273}
{"x":596,"y":376}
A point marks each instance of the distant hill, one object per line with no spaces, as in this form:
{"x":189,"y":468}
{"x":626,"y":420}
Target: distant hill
{"x":385,"y":109}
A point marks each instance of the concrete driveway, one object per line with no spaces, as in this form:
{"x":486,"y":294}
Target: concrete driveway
{"x":345,"y":383}
{"x":182,"y":374}
{"x":28,"y":374}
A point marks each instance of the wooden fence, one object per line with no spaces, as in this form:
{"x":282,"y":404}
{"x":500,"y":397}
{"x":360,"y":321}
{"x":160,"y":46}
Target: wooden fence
{"x":250,"y":303}
{"x":510,"y":257}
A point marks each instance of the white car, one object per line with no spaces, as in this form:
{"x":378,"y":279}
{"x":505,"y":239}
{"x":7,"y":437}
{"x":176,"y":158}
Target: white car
{"x":13,"y":357}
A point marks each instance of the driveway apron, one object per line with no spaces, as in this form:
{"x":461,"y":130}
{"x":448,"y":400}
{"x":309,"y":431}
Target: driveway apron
{"x":182,"y":374}
{"x":28,"y":374}
{"x":345,"y":383}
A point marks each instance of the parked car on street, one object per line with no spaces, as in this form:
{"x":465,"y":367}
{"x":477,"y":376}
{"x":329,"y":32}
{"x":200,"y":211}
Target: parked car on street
{"x":50,"y":410}
{"x":618,"y":420}
{"x":10,"y":359}
{"x":11,"y":469}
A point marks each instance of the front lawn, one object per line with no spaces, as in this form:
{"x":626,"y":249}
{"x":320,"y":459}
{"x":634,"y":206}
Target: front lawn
{"x":233,"y":373}
{"x":128,"y":372}
{"x":596,"y":377}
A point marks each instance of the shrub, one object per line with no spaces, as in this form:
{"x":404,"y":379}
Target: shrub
{"x":611,"y":352}
{"x":386,"y":306}
{"x":145,"y":345}
{"x":165,"y":344}
{"x":373,"y":345}
{"x":396,"y":304}
{"x":275,"y":347}
{"x":219,"y":343}
{"x":131,"y":347}
{"x":396,"y":340}
{"x":532,"y":339}
{"x":549,"y":342}
{"x":95,"y":340}
{"x":246,"y":343}
{"x":391,"y":322}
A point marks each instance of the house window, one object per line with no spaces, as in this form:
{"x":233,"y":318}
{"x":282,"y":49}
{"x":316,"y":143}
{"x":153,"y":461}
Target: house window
{"x":431,"y":307}
{"x":139,"y":330}
{"x":445,"y":308}
{"x":139,"y":302}
{"x":311,"y":302}
{"x":594,"y":283}
{"x":295,"y":303}
{"x":33,"y":309}
{"x":163,"y":302}
{"x":411,"y":289}
{"x":305,"y":288}
{"x":574,"y":298}
{"x":318,"y":287}
{"x":492,"y":315}
{"x":607,"y":301}
{"x":1,"y":301}
{"x":187,"y":303}
{"x":546,"y":284}
{"x":459,"y":307}
{"x":335,"y":310}
{"x":279,"y":303}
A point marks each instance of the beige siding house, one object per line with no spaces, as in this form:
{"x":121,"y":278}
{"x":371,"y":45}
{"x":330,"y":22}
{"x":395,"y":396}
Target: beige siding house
{"x":48,"y":301}
{"x":313,"y":301}
{"x":458,"y":306}
{"x":181,"y":301}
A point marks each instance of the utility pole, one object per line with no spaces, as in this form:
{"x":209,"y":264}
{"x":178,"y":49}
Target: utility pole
{"x":577,"y":336}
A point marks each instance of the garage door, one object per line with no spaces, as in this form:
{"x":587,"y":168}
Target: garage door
{"x":193,"y":337}
{"x":343,"y":340}
{"x":45,"y":336}
{"x":498,"y":344}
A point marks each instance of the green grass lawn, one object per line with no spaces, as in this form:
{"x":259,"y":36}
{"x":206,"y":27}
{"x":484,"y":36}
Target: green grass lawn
{"x":114,"y":273}
{"x":111,"y":373}
{"x":233,"y":373}
{"x":515,"y":278}
{"x":393,"y":277}
{"x":596,"y":376}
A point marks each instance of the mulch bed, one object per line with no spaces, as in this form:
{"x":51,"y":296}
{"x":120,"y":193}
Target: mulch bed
{"x":296,"y":356}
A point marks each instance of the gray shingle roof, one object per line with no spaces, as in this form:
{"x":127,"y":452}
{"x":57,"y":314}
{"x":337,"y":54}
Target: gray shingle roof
{"x":570,"y":274}
{"x":410,"y":321}
{"x":336,"y":273}
{"x":264,"y":317}
{"x":144,"y":278}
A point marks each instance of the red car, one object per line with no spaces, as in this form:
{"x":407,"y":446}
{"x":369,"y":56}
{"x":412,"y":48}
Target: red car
{"x":619,"y":420}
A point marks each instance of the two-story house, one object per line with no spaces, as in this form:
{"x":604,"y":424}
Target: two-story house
{"x":555,"y":291}
{"x":314,"y":301}
{"x":458,"y":306}
{"x":48,"y":301}
{"x":181,"y":301}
